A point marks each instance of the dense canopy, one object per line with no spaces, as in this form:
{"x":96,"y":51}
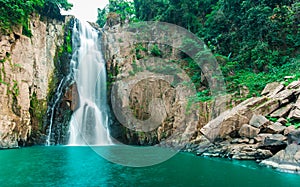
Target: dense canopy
{"x":255,"y":41}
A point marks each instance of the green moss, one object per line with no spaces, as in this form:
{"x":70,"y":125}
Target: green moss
{"x":15,"y":89}
{"x":138,"y":50}
{"x":26,"y":30}
{"x":68,"y":42}
{"x":38,"y":109}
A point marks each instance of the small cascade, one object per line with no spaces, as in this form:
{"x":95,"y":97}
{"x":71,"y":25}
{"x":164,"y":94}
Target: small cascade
{"x":57,"y":96}
{"x":89,"y":123}
{"x":52,"y":110}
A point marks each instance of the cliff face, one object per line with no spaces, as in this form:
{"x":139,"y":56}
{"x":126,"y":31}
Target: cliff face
{"x":150,"y":105}
{"x":27,"y":69}
{"x":262,"y":128}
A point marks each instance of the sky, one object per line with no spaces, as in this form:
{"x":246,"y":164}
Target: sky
{"x":86,"y":9}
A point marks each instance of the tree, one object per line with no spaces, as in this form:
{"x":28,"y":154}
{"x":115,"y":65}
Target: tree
{"x":101,"y":18}
{"x":51,"y":8}
{"x":16,"y":12}
{"x":124,"y":8}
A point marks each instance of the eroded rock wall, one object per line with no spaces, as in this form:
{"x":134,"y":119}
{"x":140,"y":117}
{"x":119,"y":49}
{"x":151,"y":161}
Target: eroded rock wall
{"x":27,"y":67}
{"x":134,"y":70}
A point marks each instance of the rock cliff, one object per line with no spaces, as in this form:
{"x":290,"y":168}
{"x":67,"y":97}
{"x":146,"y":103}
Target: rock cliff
{"x":255,"y":129}
{"x":259,"y":128}
{"x":145,"y":83}
{"x":26,"y":79}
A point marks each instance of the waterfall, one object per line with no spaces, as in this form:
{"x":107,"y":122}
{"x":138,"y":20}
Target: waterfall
{"x":89,"y":123}
{"x":51,"y":110}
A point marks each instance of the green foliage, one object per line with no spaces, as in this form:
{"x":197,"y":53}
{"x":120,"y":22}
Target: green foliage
{"x":272,"y":119}
{"x":38,"y":109}
{"x":203,"y":96}
{"x":138,"y":50}
{"x":258,"y":34}
{"x":155,"y":51}
{"x":15,"y":13}
{"x":291,"y":122}
{"x":68,"y":39}
{"x":257,"y":40}
{"x":15,"y":88}
{"x":51,"y":8}
{"x":124,"y":8}
{"x":101,"y":18}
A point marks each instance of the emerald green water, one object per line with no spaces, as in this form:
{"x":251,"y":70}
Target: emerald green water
{"x":81,"y":166}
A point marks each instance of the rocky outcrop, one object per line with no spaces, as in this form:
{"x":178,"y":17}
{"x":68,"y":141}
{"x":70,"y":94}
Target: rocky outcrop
{"x":27,"y":69}
{"x":287,"y":160}
{"x":149,"y":109}
{"x":147,"y":76}
{"x":245,"y":132}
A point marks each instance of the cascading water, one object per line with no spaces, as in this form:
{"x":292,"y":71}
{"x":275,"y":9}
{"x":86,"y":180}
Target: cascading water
{"x":51,"y":110}
{"x":89,"y":123}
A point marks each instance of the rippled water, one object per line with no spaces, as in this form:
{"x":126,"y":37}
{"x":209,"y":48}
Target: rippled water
{"x":81,"y":166}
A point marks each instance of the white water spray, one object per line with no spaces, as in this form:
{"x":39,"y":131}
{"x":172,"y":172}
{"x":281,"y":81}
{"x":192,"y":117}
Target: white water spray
{"x":89,"y":123}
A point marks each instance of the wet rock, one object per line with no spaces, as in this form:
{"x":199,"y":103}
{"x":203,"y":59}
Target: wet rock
{"x":252,"y":154}
{"x":294,"y":137}
{"x":248,"y":131}
{"x":261,"y":137}
{"x":235,"y":141}
{"x":237,"y":151}
{"x":274,"y":143}
{"x":287,"y":160}
{"x":72,"y":97}
{"x":243,"y":140}
{"x":252,"y":141}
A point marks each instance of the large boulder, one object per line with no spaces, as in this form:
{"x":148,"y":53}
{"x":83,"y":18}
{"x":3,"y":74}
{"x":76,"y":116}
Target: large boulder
{"x":248,"y":131}
{"x":285,"y":96}
{"x":267,"y":107}
{"x":272,"y":89}
{"x":259,"y":121}
{"x":282,"y":112}
{"x":230,"y":122}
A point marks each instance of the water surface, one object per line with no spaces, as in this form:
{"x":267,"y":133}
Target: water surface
{"x":81,"y":166}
